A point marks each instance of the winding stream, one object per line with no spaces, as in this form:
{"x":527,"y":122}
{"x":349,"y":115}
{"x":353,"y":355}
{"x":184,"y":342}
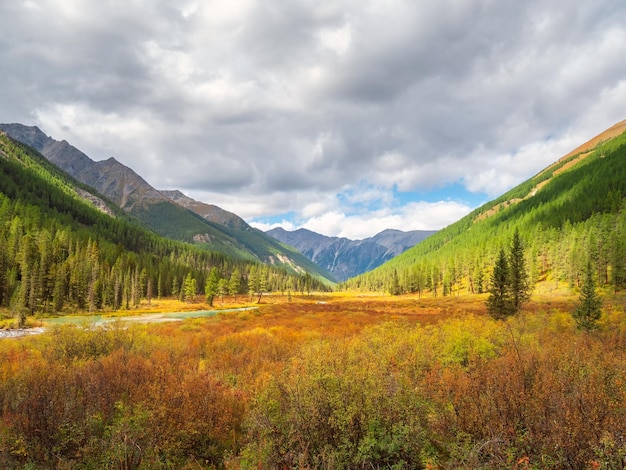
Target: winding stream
{"x":99,"y":320}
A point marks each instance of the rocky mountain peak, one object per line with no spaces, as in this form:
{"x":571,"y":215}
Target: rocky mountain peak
{"x":345,"y":258}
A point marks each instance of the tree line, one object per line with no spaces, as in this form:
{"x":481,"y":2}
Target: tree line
{"x":46,"y":267}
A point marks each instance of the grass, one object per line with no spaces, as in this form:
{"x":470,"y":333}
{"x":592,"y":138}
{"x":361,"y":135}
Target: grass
{"x":264,"y":383}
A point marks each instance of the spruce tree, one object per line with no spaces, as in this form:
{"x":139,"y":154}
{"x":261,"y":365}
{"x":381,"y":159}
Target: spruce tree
{"x":510,"y":287}
{"x":499,"y":302}
{"x":588,"y":311}
{"x":518,"y":274}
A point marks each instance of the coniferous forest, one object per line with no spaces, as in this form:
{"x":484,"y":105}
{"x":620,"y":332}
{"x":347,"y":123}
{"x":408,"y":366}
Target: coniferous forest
{"x":59,"y":253}
{"x":566,"y":215}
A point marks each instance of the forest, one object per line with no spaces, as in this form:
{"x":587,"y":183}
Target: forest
{"x":565,"y":217}
{"x":60,"y":254}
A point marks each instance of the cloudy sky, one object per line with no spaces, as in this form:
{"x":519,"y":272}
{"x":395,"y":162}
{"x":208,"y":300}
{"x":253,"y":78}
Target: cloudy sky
{"x":342,"y":116}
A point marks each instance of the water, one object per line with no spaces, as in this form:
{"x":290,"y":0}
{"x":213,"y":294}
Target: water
{"x":97,"y":320}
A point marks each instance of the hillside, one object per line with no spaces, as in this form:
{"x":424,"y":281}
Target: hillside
{"x":572,"y":211}
{"x":60,"y":252}
{"x":209,"y":212}
{"x":345,"y":258}
{"x":268,"y":249}
{"x":169,"y":213}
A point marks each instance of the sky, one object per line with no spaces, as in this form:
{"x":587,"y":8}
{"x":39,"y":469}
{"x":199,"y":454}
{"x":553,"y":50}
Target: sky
{"x":345,"y":117}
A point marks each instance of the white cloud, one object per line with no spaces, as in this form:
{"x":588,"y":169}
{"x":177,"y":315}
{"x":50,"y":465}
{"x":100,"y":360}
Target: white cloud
{"x":413,"y":216}
{"x":336,"y":39}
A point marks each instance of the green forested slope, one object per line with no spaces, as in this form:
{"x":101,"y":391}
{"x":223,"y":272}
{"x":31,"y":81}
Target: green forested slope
{"x":129,"y":191}
{"x":570,"y":212}
{"x":58,"y":252}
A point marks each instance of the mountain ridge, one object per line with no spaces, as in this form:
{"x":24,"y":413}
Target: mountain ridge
{"x":209,"y":212}
{"x":60,"y":253}
{"x":345,"y":258}
{"x":217,"y":229}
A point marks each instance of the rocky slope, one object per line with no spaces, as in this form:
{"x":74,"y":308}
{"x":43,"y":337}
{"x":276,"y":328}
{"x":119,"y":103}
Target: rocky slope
{"x":345,"y":258}
{"x":209,"y":212}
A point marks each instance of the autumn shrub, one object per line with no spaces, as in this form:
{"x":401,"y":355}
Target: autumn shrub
{"x":340,"y":404}
{"x":69,"y":342}
{"x":114,"y":409}
{"x":554,"y":402}
{"x":310,"y":388}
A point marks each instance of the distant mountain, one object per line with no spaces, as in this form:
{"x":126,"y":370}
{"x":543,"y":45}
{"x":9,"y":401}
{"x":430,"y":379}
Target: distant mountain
{"x":345,"y":258}
{"x":168,"y":213}
{"x":268,"y":248}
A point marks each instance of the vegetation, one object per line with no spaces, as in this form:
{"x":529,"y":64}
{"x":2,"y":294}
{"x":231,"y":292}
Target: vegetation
{"x":509,"y":288}
{"x":588,"y":311}
{"x":576,"y":206}
{"x":59,"y":253}
{"x":322,"y":382}
{"x":499,"y":302}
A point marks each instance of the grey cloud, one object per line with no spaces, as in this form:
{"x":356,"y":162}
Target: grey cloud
{"x":240,"y":107}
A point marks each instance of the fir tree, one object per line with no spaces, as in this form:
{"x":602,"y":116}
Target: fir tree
{"x":518,"y":274}
{"x":499,"y":302}
{"x":588,"y":311}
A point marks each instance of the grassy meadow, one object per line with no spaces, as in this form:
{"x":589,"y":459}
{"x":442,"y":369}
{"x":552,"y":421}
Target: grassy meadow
{"x":334,"y":381}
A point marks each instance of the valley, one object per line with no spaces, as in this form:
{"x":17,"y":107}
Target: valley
{"x":416,"y":363}
{"x":345,"y":258}
{"x":336,"y":235}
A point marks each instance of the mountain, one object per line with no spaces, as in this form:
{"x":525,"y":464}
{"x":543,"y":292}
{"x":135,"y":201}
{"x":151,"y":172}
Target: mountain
{"x":168,"y":213}
{"x":572,"y":211}
{"x":59,"y":251}
{"x":345,"y":258}
{"x":269,"y":249}
{"x":208,"y":212}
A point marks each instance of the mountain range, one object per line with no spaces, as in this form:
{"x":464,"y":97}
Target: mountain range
{"x":345,"y":258}
{"x":571,"y":212}
{"x":173,"y":214}
{"x":61,"y":252}
{"x":169,"y":213}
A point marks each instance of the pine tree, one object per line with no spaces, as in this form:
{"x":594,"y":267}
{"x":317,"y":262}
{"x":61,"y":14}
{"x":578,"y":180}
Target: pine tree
{"x":222,"y":288}
{"x":588,"y":311}
{"x":234,"y":284}
{"x":189,"y":288}
{"x":499,"y":302}
{"x":518,"y":274}
{"x":394,"y":288}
